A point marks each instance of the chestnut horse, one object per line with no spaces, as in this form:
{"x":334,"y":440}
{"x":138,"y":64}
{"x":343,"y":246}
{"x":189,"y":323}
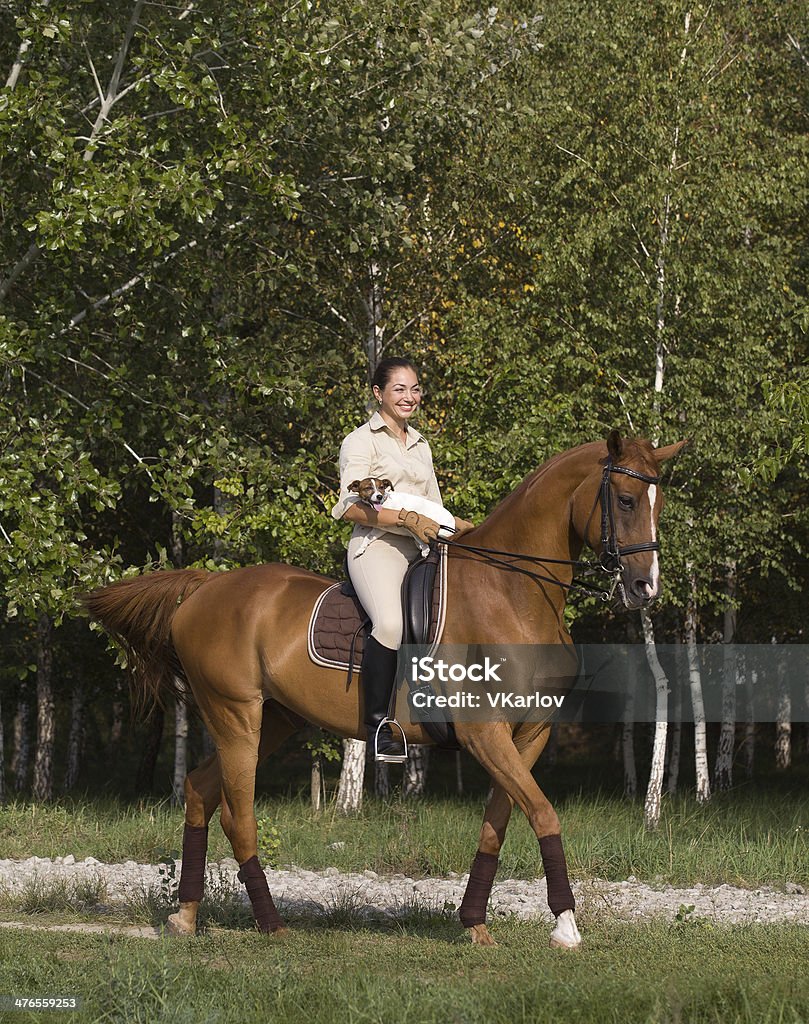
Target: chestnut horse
{"x":239,"y":640}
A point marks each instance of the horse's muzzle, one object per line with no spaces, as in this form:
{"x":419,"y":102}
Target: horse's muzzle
{"x":638,"y":592}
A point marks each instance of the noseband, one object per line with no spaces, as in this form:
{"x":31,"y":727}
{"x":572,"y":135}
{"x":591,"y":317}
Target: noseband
{"x":610,"y":557}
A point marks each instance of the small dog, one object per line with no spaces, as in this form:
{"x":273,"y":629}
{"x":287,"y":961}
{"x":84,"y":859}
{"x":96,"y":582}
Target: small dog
{"x":376,"y":493}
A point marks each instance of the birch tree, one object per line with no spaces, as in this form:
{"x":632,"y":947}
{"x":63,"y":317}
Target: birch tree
{"x":652,"y":803}
{"x":723,"y":771}
{"x":697,"y":706}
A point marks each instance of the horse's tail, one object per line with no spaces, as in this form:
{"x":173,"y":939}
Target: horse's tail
{"x":137,"y":613}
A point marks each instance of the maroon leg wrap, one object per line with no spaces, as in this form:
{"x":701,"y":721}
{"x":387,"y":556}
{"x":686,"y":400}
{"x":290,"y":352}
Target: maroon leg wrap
{"x":560,"y":895}
{"x":478,"y":889}
{"x":267,"y":917}
{"x":192,"y":874}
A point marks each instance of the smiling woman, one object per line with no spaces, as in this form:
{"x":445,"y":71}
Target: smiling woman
{"x":386,"y":447}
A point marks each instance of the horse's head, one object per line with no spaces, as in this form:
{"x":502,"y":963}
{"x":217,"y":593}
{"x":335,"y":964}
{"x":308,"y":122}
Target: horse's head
{"x":616,"y":510}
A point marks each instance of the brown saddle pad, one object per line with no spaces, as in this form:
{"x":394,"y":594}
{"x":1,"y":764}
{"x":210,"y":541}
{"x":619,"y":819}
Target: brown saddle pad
{"x":336,"y":636}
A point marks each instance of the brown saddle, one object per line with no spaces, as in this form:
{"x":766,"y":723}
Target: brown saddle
{"x":338,"y":624}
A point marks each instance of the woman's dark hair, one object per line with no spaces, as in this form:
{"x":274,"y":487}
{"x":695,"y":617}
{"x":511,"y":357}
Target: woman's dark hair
{"x":385,"y":368}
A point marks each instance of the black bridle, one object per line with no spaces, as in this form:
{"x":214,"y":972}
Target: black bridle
{"x":609,"y":560}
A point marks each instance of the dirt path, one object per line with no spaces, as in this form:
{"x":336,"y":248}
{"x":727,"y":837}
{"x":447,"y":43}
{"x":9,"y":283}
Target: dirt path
{"x":310,"y":893}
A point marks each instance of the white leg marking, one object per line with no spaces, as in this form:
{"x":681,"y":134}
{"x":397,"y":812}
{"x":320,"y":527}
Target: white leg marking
{"x":565,"y":935}
{"x":654,"y":575}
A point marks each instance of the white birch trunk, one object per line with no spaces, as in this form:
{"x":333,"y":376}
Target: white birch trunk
{"x":655,"y":787}
{"x":352,"y":775}
{"x":654,"y":791}
{"x":697,"y":705}
{"x":75,"y":737}
{"x":316,"y":792}
{"x":723,"y":771}
{"x":46,"y":718}
{"x":749,"y":742}
{"x":783,"y":721}
{"x":675,"y":741}
{"x":180,"y":750}
{"x":415,"y":773}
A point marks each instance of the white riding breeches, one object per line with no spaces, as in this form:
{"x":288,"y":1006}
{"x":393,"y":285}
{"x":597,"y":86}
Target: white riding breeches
{"x":377,"y":577}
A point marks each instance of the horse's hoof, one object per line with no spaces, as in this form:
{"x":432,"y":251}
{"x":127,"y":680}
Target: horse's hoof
{"x":480,"y":935}
{"x":176,"y":926}
{"x":565,"y":935}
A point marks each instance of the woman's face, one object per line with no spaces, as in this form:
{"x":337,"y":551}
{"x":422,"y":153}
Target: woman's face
{"x":401,"y":395}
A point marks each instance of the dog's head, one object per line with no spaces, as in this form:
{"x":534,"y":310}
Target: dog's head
{"x":372,"y":490}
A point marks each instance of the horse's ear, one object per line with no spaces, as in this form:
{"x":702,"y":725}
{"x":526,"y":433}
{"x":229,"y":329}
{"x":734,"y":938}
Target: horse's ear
{"x":615,"y":445}
{"x":354,"y":486}
{"x":662,"y":454}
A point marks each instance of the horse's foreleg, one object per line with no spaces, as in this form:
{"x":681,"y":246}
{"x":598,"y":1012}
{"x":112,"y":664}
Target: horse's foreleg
{"x":509,"y":768}
{"x":492,"y":834}
{"x":472,"y":911}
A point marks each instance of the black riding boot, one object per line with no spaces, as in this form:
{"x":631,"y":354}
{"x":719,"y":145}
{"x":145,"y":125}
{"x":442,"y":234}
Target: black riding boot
{"x":378,"y":674}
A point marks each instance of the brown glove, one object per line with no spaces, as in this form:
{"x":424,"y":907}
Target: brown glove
{"x":422,"y":527}
{"x":462,"y":526}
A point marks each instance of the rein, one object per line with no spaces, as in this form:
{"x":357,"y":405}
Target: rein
{"x":609,"y":560}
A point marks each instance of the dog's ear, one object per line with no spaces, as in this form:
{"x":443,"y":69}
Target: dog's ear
{"x":386,"y":484}
{"x":355,"y":485}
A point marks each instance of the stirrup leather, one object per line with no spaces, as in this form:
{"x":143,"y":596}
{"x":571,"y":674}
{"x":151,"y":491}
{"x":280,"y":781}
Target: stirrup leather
{"x":390,"y":758}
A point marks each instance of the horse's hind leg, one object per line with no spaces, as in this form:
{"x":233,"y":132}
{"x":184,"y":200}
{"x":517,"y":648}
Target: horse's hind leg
{"x":510,"y":770}
{"x":203,"y":794}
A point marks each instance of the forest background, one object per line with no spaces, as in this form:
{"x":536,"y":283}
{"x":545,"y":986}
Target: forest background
{"x":216,"y":218}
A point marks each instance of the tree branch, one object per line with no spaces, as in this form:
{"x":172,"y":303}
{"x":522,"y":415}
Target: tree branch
{"x":798,"y":48}
{"x":115,"y":79}
{"x":17,"y":66}
{"x":22,"y":265}
{"x":112,"y":94}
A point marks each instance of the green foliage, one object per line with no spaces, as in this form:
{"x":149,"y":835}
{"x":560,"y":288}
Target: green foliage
{"x":269,"y":842}
{"x":214,"y":217}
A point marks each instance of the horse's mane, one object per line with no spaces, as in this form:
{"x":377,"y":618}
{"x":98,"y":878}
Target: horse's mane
{"x":634,"y":449}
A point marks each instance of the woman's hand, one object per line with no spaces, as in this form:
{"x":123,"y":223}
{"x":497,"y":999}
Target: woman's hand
{"x":422,"y":527}
{"x":462,"y":526}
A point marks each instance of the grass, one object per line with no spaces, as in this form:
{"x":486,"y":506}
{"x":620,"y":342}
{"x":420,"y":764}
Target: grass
{"x":745,"y":838}
{"x":420,"y":970}
{"x":344,"y":966}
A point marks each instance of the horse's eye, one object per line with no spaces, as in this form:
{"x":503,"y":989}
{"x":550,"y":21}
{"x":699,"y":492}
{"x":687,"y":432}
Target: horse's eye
{"x":626,"y":502}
